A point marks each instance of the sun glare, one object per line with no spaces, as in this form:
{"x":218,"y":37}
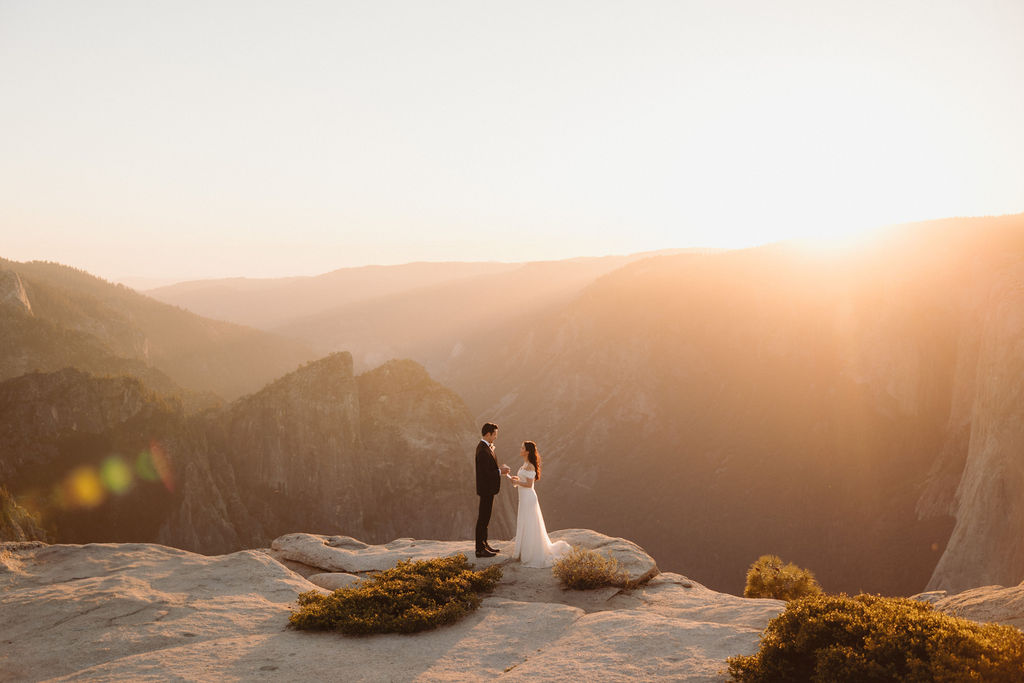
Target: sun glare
{"x":835,"y":241}
{"x":835,"y":244}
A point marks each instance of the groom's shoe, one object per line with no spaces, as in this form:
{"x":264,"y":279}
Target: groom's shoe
{"x":488,"y":548}
{"x":484,"y":553}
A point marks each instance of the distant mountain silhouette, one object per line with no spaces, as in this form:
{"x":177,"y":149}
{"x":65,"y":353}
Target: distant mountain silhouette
{"x":432,"y":323}
{"x":416,"y":310}
{"x":54,"y":316}
{"x":267,"y":303}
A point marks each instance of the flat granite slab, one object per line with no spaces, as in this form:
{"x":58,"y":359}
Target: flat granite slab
{"x":346,"y":554}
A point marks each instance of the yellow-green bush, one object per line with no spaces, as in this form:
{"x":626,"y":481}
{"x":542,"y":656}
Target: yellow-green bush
{"x":412,"y":596}
{"x":582,"y":569}
{"x":871,"y":638}
{"x":769,"y":577}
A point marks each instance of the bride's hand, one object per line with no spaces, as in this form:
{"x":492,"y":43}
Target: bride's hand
{"x":515,"y":480}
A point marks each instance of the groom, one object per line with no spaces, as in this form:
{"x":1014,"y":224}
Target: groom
{"x":488,"y":483}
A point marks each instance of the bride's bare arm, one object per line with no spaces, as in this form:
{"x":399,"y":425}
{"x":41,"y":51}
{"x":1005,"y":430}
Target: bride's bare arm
{"x":525,"y":482}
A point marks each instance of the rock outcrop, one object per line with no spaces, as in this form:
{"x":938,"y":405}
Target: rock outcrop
{"x":378,"y":455}
{"x":16,"y":523}
{"x":332,"y":581}
{"x":133,"y":611}
{"x":75,"y":610}
{"x":637,"y":564}
{"x":12,"y":293}
{"x":346,"y":554}
{"x":985,"y":546}
{"x":296,"y":447}
{"x":1004,"y":605}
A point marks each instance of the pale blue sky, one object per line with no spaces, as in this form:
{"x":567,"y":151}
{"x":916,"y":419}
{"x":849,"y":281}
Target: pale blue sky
{"x":187,"y":139}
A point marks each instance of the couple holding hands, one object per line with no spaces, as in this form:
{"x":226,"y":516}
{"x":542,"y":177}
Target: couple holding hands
{"x":532,"y":546}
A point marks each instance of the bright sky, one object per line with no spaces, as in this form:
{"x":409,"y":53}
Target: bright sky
{"x":187,"y":139}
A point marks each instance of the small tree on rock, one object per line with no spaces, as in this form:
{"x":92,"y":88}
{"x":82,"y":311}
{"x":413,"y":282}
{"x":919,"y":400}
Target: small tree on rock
{"x":769,"y":577}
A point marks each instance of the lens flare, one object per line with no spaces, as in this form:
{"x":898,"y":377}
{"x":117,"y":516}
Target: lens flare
{"x":162,"y":464}
{"x":116,"y":475}
{"x":83,"y":488}
{"x":144,"y":467}
{"x":88,"y":486}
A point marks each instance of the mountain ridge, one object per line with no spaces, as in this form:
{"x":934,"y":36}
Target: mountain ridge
{"x":77,"y":319}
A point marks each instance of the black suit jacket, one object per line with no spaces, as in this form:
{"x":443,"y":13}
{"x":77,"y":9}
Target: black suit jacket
{"x":488,"y":476}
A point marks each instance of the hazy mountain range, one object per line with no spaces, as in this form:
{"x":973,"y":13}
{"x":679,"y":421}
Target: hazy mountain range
{"x":54,"y":316}
{"x":856,"y":411}
{"x":418,"y":310}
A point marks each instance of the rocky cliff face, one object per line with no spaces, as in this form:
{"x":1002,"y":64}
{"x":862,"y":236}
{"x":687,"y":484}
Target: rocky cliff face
{"x":385,"y":454}
{"x":381,"y":455}
{"x":295,"y":446}
{"x":76,"y":448}
{"x":38,"y":411}
{"x":985,"y":547}
{"x":17,"y":523}
{"x":999,"y":604}
{"x":420,"y":439}
{"x":12,"y":293}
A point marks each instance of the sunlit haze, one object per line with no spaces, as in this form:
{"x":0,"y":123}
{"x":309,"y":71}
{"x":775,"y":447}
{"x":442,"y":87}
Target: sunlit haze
{"x":196,"y":139}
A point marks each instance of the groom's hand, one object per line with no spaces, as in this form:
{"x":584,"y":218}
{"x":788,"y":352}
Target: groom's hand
{"x":505,"y":469}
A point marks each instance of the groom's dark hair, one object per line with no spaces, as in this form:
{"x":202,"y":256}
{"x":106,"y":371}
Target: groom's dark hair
{"x":488,"y":428}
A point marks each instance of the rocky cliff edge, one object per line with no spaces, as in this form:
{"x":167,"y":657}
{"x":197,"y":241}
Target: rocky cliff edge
{"x":146,"y":612}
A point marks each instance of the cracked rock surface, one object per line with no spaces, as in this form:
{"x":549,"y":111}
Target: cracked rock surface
{"x":103,"y":612}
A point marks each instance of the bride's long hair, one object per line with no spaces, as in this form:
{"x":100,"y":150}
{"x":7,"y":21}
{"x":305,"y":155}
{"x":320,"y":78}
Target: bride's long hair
{"x":533,"y":456}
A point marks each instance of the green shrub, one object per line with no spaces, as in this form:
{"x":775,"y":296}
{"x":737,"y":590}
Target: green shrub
{"x":871,"y":638}
{"x":584,"y":569}
{"x":770,"y":578}
{"x":412,"y":596}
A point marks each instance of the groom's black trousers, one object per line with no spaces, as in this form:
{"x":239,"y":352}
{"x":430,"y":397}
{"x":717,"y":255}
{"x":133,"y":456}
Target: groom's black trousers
{"x":483,"y":518}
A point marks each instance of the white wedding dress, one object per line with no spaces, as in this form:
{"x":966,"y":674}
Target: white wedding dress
{"x":533,"y":547}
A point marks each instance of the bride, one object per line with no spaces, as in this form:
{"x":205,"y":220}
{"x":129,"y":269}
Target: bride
{"x":533,"y":547}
